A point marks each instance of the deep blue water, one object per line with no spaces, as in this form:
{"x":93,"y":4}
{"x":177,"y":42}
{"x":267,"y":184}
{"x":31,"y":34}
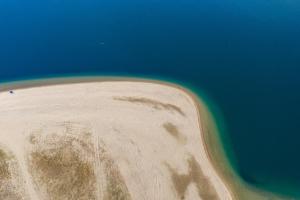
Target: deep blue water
{"x":244,"y":54}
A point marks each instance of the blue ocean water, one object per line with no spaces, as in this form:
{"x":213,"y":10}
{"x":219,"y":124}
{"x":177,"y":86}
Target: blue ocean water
{"x":244,"y":54}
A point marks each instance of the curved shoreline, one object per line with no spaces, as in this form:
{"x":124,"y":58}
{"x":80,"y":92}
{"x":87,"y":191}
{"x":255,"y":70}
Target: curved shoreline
{"x":202,"y":110}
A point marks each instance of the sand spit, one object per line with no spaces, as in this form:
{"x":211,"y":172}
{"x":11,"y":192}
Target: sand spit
{"x":112,"y":140}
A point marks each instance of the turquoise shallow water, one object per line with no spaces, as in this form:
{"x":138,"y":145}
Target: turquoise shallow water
{"x":243,"y":54}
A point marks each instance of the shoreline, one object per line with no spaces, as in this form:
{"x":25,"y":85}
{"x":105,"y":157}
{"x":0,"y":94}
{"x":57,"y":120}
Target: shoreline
{"x":224,"y":172}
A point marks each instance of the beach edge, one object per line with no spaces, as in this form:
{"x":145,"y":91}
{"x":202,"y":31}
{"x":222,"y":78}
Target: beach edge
{"x":210,"y":133}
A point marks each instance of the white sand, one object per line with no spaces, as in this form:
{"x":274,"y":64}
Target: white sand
{"x":141,"y":141}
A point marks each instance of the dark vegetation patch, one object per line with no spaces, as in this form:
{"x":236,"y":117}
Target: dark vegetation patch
{"x":116,"y":188}
{"x":153,"y":103}
{"x":195,"y":175}
{"x":61,"y":164}
{"x":11,"y":185}
{"x":4,"y":166}
{"x":173,"y":131}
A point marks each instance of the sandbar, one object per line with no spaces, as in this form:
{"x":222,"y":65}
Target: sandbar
{"x":104,"y":140}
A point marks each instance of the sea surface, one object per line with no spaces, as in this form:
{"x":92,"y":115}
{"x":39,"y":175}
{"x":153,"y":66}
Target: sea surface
{"x":244,"y":54}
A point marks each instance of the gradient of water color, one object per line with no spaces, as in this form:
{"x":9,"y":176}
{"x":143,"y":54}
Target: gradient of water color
{"x":244,"y":54}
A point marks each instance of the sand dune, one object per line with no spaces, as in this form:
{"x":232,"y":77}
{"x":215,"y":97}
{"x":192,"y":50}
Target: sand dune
{"x":118,"y":140}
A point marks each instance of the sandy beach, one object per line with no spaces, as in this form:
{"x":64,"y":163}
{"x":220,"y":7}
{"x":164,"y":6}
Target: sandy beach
{"x":104,"y":140}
